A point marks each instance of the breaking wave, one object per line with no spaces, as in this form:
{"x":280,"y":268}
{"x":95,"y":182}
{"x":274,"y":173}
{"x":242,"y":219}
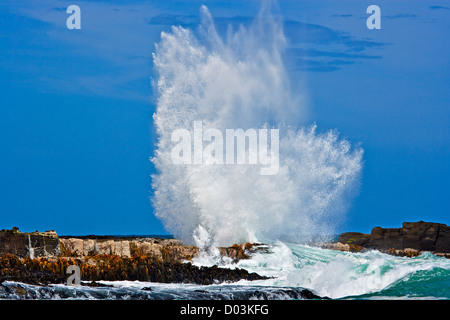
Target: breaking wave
{"x":239,"y":81}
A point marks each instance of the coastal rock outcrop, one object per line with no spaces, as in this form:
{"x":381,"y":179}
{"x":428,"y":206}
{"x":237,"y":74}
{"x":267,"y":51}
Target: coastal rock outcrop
{"x":41,"y":258}
{"x":412,"y":238}
{"x":32,"y":244}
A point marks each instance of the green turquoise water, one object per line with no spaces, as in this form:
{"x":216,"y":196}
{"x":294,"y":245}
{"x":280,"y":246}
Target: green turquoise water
{"x":345,"y":275}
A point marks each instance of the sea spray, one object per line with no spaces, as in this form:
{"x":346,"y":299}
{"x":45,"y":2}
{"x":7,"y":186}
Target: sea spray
{"x":240,"y":82}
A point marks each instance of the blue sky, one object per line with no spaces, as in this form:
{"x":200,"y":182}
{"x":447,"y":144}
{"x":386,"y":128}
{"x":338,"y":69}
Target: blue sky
{"x":76,"y":107}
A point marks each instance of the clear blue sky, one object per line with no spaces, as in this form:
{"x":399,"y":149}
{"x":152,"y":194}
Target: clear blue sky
{"x":76,"y":106}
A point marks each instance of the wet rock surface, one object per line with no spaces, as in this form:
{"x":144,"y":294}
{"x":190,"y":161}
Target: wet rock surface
{"x":21,"y":291}
{"x":114,"y":268}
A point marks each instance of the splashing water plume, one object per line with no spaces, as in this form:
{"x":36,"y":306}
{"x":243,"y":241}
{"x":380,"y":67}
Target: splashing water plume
{"x":241,"y":82}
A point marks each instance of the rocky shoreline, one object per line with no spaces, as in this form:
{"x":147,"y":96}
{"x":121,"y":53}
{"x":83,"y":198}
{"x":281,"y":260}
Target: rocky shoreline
{"x":412,"y":239}
{"x":40,"y":259}
{"x":43,"y":257}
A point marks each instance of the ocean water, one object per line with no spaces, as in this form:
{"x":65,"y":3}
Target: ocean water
{"x":345,"y":275}
{"x":292,"y":268}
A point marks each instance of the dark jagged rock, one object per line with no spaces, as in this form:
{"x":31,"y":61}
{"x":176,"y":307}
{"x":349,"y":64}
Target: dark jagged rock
{"x":426,"y":236}
{"x":242,"y":251}
{"x":386,"y":238}
{"x":411,"y":239}
{"x":98,"y":285}
{"x":147,"y":289}
{"x":277,"y":293}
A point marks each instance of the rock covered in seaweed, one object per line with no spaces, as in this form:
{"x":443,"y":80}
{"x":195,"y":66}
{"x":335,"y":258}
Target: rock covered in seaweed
{"x":113,"y":268}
